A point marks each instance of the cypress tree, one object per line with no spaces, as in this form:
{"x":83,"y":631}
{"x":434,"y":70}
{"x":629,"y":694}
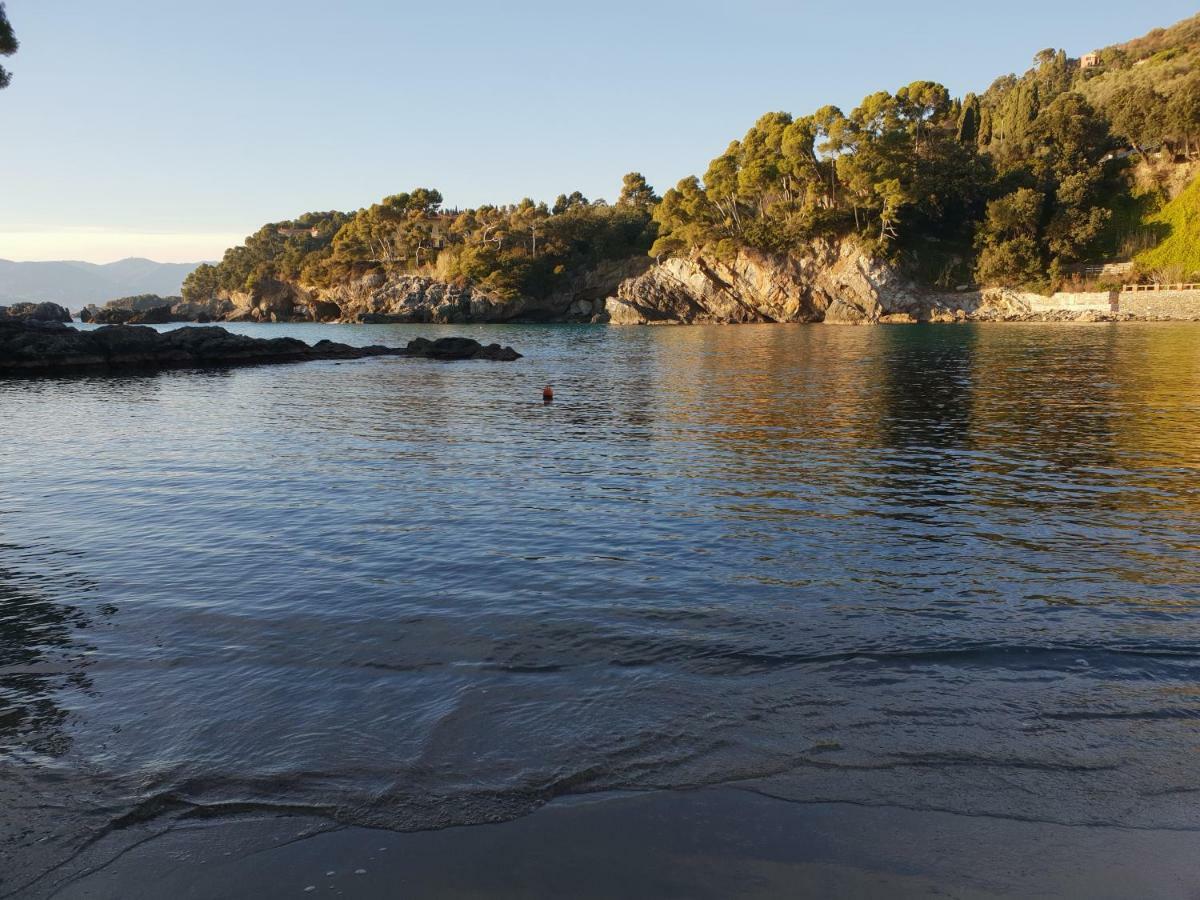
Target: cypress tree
{"x":968,"y":121}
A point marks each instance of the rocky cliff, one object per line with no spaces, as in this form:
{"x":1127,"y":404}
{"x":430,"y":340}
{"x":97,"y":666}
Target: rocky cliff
{"x":38,"y":312}
{"x":152,"y":309}
{"x":830,"y":282}
{"x":377,"y":297}
{"x":833,"y":282}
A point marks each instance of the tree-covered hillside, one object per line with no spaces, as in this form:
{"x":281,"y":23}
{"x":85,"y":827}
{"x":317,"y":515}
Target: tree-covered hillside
{"x":1015,"y":185}
{"x":526,"y":248}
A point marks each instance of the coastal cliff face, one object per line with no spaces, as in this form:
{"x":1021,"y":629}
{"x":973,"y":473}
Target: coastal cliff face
{"x":376,"y":297}
{"x":835,"y":283}
{"x":841,"y":284}
{"x":831,"y":282}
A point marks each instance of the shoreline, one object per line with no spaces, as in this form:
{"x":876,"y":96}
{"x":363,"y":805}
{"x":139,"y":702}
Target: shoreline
{"x":710,"y":842}
{"x":1085,"y":317}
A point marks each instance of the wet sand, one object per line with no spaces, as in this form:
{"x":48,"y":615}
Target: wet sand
{"x":697,"y":844}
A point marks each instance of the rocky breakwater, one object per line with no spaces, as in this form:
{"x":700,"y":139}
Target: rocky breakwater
{"x":29,"y":346}
{"x":829,"y":282}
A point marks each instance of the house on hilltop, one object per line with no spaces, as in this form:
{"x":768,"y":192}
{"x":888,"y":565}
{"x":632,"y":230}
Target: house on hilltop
{"x":1089,"y":60}
{"x":299,"y":232}
{"x":439,"y":228}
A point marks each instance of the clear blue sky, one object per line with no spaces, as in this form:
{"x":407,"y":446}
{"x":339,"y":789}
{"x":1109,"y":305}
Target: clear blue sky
{"x":169,"y":130}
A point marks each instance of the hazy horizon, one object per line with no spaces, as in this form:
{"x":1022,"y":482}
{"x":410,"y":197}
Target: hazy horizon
{"x":178,"y":138}
{"x":103,"y":248}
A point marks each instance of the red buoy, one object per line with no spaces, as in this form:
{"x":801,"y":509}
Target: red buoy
{"x":547,"y":394}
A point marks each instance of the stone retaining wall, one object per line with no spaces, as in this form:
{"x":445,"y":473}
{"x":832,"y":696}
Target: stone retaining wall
{"x":1095,"y":301}
{"x":1169,"y":304}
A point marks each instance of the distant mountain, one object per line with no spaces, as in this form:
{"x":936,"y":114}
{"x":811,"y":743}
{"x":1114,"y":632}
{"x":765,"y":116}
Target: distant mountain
{"x":76,"y":284}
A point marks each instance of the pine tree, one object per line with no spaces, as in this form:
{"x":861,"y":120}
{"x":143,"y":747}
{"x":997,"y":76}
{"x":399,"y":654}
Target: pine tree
{"x":8,"y":45}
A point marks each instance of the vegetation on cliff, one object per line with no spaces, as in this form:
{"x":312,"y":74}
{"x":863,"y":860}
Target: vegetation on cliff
{"x":525,"y":248}
{"x":1178,"y":256}
{"x":1011,"y":186}
{"x":1016,"y":185}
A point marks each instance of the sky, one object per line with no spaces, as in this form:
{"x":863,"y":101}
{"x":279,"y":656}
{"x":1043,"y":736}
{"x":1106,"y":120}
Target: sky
{"x":172,"y":130}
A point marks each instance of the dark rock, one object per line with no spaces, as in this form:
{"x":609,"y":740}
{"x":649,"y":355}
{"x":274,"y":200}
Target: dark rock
{"x":112,"y":315}
{"x":37,"y":347}
{"x":324,"y":311}
{"x":497,"y":353}
{"x":158,"y":315}
{"x":37,"y":312}
{"x":459,"y":348}
{"x":141,"y":303}
{"x":151,"y":309}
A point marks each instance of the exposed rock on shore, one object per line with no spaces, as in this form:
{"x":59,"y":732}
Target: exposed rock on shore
{"x":829,"y":283}
{"x":376,"y":298}
{"x":38,"y":347}
{"x":38,"y":312}
{"x":151,"y":309}
{"x":839,"y":285}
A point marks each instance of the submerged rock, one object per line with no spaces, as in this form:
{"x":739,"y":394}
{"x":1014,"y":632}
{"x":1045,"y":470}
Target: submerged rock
{"x":32,"y":346}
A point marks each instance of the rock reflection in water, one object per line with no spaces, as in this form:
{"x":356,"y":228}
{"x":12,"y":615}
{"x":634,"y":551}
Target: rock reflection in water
{"x":42,"y":655}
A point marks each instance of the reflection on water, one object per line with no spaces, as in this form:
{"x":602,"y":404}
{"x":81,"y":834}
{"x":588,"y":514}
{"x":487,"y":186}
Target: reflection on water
{"x":952,"y":567}
{"x":41,"y":655}
{"x":43,"y":675}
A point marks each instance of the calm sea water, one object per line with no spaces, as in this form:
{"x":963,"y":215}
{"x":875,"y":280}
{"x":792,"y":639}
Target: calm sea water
{"x":941,"y":567}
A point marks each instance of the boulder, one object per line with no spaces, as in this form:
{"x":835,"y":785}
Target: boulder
{"x":113,"y":315}
{"x":158,"y":315}
{"x":458,"y":348}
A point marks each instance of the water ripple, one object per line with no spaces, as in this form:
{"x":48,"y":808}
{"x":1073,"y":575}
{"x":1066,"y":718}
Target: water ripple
{"x":945,"y":567}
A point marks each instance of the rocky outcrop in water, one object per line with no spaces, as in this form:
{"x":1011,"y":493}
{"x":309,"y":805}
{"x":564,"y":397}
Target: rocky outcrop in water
{"x":451,"y":348}
{"x":835,"y":283}
{"x":151,"y":309}
{"x":32,"y":346}
{"x":37,"y":312}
